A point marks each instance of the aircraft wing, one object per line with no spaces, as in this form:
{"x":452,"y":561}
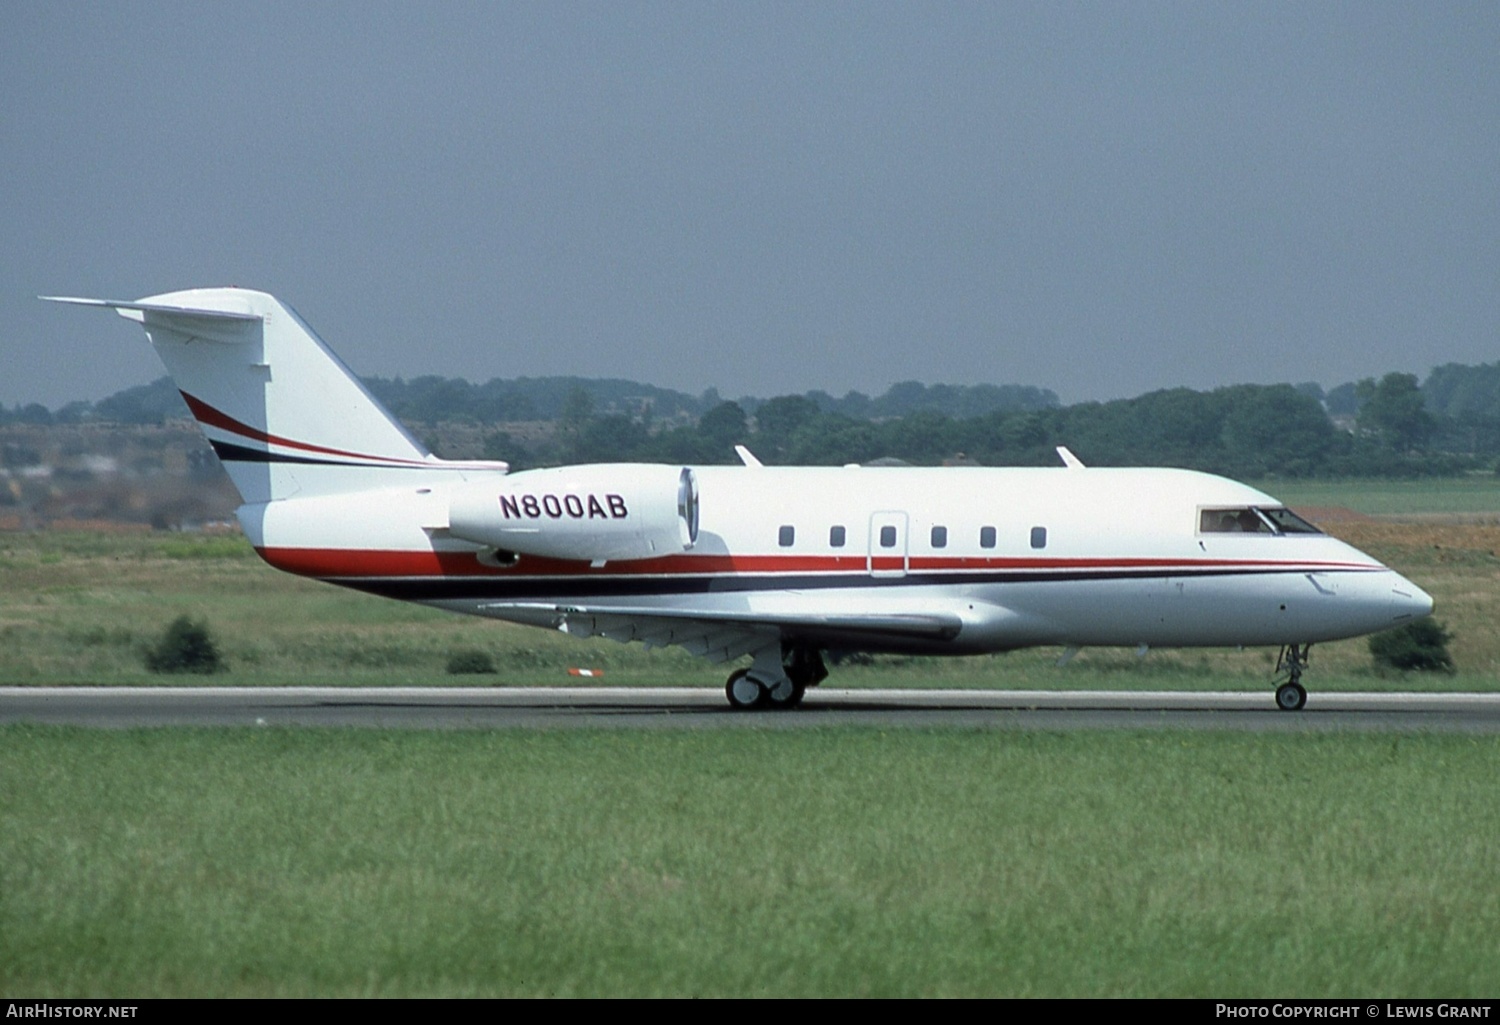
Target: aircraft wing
{"x":721,"y":636}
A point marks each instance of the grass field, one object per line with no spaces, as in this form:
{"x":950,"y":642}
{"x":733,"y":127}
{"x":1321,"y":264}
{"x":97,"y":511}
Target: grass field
{"x":820,"y":862}
{"x":841,"y":862}
{"x":78,"y":608}
{"x":1476,"y":494}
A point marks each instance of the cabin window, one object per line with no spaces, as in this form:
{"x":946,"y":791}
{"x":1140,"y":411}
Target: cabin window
{"x":786,"y":536}
{"x":986,"y":537}
{"x":1039,"y":537}
{"x":1253,"y":520}
{"x":940,"y":537}
{"x":888,"y":537}
{"x":835,"y":537}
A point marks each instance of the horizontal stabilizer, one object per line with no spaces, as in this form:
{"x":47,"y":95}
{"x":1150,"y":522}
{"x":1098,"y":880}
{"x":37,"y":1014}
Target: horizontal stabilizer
{"x":125,"y":308}
{"x":230,"y":326}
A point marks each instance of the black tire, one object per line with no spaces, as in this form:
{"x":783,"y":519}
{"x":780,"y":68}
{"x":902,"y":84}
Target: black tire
{"x":740,"y":697}
{"x":792,"y":700}
{"x":805,"y":667}
{"x":1290,"y":697}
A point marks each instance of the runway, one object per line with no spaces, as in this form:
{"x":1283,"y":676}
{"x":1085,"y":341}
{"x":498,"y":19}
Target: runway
{"x":706,"y":708}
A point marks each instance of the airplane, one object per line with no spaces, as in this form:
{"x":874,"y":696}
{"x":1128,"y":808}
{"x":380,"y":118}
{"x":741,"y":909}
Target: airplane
{"x":780,"y":564}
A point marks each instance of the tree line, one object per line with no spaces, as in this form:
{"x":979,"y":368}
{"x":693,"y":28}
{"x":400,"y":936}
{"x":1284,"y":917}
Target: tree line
{"x":432,"y":399}
{"x":1394,"y":426}
{"x":1242,"y":431}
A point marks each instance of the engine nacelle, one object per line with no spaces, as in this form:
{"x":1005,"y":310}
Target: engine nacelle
{"x":611,"y":511}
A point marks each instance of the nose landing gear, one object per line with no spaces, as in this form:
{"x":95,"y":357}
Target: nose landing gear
{"x":1290,"y":694}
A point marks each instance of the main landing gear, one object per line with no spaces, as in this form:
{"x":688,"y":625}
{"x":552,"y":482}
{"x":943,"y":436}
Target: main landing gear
{"x":776,"y":683}
{"x":1291,"y":695}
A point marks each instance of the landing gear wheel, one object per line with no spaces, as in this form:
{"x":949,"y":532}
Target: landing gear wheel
{"x":804,"y":665}
{"x":1290,"y":697}
{"x":786,"y":694}
{"x":744,"y":694}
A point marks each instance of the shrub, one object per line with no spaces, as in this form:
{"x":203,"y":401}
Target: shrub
{"x":1421,"y":645}
{"x":464,"y":663}
{"x":185,"y":647}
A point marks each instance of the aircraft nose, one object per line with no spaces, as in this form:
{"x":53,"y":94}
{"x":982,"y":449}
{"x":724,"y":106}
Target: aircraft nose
{"x":1410,"y":601}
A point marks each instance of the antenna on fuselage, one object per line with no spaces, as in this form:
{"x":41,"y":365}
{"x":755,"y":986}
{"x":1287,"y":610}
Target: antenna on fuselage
{"x":1071,"y":461}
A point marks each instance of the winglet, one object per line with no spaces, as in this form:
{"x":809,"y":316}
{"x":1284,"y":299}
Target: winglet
{"x":1071,"y":461}
{"x":746,"y":456}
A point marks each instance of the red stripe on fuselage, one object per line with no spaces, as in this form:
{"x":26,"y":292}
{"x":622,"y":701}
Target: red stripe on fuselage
{"x":211,"y":417}
{"x":357,"y":563}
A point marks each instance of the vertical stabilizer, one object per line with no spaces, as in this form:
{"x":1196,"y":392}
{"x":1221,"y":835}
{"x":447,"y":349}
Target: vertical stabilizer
{"x":284,"y":414}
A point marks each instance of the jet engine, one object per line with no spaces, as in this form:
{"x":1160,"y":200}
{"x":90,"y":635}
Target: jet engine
{"x":604,"y":512}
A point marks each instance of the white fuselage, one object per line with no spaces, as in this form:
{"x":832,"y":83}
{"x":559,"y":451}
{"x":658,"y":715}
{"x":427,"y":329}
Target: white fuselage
{"x":1014,"y":557}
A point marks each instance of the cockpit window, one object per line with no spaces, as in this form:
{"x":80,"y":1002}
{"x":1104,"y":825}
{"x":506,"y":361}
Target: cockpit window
{"x":1288,"y":522}
{"x":1232,"y":521}
{"x":1253,"y":520}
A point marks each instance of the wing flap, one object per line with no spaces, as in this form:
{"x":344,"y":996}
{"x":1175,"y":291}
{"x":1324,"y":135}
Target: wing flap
{"x":715,"y":642}
{"x":659,"y":622}
{"x":721,"y":636}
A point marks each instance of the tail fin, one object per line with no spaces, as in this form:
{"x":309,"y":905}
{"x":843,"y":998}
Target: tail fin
{"x":283,"y":413}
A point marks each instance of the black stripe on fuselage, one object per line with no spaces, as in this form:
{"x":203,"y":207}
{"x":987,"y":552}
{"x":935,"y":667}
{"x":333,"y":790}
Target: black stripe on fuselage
{"x":490,"y":589}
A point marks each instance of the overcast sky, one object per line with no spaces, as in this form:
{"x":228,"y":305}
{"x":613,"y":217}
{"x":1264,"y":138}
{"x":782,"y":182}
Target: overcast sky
{"x":1101,"y":199}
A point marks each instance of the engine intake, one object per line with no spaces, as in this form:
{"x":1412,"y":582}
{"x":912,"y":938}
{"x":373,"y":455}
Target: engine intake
{"x":604,"y":512}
